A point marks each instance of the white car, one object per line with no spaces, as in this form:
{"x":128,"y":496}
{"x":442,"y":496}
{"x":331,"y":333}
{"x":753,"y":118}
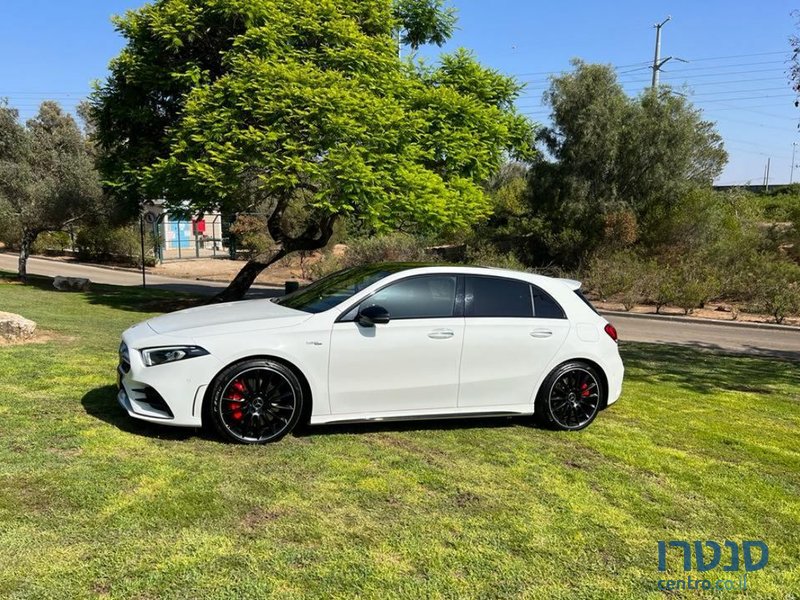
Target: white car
{"x":385,"y":341}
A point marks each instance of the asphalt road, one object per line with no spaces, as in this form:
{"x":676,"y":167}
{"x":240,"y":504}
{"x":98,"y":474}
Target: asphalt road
{"x":51,"y":268}
{"x":756,"y":340}
{"x":747,"y":339}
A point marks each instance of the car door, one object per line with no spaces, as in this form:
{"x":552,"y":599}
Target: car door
{"x":410,"y":363}
{"x":507,"y":345}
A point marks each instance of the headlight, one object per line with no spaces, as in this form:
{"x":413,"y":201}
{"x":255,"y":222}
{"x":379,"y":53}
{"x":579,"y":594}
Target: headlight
{"x":159,"y":356}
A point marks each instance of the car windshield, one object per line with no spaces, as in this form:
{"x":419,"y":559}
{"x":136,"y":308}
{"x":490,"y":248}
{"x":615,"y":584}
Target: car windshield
{"x":338,"y":287}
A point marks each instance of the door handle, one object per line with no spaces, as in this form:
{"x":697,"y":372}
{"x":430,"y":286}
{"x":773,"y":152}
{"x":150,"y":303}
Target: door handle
{"x":541,"y":333}
{"x":441,"y":334}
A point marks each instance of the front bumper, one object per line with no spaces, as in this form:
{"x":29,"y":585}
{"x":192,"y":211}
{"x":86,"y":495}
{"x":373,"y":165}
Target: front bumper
{"x":171,"y":393}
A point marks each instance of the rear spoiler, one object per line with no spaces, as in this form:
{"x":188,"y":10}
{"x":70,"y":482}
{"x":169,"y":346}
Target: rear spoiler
{"x":571,"y":284}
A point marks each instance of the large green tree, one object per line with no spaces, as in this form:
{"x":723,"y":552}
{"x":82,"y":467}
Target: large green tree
{"x":47,"y":175}
{"x":302,"y":106}
{"x":614,"y":166}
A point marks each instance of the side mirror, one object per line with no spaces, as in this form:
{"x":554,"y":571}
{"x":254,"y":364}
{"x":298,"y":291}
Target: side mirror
{"x":372,"y":315}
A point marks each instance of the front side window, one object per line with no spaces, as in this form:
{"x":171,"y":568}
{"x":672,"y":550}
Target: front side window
{"x":497,"y":297}
{"x":424,"y":297}
{"x":338,"y":287}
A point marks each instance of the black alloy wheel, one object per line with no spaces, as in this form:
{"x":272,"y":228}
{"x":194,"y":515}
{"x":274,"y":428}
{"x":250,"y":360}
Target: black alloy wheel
{"x":256,"y":401}
{"x":570,"y":397}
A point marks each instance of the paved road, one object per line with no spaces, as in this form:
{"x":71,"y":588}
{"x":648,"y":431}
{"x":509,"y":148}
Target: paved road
{"x":751,"y":340}
{"x":782,"y":342}
{"x":51,"y":268}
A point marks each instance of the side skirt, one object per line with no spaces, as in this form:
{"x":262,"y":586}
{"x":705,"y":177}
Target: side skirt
{"x":522,"y":410}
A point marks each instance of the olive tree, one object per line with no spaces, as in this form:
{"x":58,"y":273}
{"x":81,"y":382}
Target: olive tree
{"x":47,"y":175}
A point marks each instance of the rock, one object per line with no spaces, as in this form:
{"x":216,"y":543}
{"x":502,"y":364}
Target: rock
{"x":15,"y":328}
{"x":71,"y":284}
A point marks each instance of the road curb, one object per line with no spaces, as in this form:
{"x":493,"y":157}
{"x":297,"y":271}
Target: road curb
{"x":680,"y":319}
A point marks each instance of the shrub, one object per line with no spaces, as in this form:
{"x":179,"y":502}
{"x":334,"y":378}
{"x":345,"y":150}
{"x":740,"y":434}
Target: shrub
{"x":54,"y":241}
{"x":392,"y":247}
{"x":777,"y":288}
{"x":694,"y":283}
{"x":621,"y":274}
{"x":486,"y":255}
{"x":659,"y":283}
{"x":251,"y":236}
{"x":120,"y":244}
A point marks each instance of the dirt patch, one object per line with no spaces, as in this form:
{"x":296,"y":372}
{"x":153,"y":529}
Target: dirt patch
{"x":463,"y":499}
{"x":225,"y":269}
{"x":42,"y":336}
{"x":258,"y":517}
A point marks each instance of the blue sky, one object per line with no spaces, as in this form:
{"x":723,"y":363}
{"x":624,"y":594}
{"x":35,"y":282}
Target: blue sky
{"x":737,"y":51}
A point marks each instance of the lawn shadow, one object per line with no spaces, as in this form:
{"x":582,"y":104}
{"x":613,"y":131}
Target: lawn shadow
{"x":136,"y":299}
{"x":708,"y":369}
{"x":101,"y":403}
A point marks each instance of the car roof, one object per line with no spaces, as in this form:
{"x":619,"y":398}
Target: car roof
{"x":409,"y":268}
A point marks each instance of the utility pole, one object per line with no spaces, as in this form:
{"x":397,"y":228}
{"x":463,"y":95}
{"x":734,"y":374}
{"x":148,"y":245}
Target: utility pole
{"x":791,"y":173}
{"x":766,"y":177}
{"x":657,"y":62}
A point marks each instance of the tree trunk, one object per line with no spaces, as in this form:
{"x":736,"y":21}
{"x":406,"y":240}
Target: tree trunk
{"x":245,"y":278}
{"x":315,"y":236}
{"x":28,"y":237}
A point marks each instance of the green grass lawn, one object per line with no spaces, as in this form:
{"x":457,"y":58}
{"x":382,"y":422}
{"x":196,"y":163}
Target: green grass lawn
{"x":701,"y":446}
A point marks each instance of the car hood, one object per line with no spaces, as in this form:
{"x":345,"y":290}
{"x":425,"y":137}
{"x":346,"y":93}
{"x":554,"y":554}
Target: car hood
{"x":254,"y":314}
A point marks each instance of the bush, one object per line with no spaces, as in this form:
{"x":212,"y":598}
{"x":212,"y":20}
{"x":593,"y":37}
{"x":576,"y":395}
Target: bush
{"x":694,"y":282}
{"x":621,"y":273}
{"x":51,"y":241}
{"x":488,"y":256}
{"x":777,"y":288}
{"x":121,"y":244}
{"x":251,"y":236}
{"x":392,"y":247}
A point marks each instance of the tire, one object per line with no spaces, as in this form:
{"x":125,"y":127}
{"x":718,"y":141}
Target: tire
{"x":256,"y":401}
{"x":570,"y":397}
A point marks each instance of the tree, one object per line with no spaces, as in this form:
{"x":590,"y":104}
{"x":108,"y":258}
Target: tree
{"x":613,"y":161}
{"x":424,"y":22}
{"x":47,"y":175}
{"x":305,"y":107}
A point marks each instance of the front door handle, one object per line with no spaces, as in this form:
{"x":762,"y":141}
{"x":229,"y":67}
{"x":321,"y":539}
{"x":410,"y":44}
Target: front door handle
{"x":441,"y":334}
{"x":541,"y":333}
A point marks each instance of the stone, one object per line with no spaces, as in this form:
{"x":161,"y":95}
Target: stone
{"x":71,"y":284}
{"x":15,"y":328}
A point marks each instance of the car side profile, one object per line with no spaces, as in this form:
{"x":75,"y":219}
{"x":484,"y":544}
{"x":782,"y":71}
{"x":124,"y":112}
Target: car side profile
{"x":379,"y":342}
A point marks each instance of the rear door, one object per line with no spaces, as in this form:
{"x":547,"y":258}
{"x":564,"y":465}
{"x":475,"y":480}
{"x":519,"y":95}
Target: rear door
{"x":512,"y":331}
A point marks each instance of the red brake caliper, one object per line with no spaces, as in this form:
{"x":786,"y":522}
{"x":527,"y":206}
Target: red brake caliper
{"x":236,"y":397}
{"x":584,"y":390}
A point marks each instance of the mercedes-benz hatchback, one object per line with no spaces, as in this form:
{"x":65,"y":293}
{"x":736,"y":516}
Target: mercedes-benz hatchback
{"x":380,"y":342}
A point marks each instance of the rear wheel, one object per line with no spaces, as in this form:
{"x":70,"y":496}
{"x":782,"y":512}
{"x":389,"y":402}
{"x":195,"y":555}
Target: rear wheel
{"x":570,"y":397}
{"x":256,"y":401}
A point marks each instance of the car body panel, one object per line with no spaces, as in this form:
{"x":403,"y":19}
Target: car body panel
{"x":407,"y":364}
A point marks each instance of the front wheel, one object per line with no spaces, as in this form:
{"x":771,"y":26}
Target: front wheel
{"x":570,"y":397}
{"x":256,"y":401}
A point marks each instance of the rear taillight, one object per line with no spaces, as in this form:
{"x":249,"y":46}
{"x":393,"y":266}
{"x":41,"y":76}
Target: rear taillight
{"x":611,"y":331}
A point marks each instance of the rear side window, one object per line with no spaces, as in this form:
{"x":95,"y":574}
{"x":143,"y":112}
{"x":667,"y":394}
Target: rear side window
{"x":585,"y":300}
{"x":496,"y":297}
{"x":544,"y":306}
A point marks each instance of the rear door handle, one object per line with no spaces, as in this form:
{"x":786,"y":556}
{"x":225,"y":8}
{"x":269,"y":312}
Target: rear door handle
{"x":541,"y":333}
{"x":441,"y":334}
